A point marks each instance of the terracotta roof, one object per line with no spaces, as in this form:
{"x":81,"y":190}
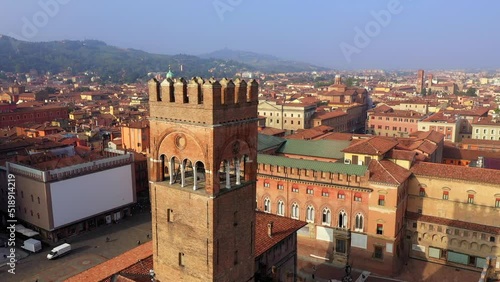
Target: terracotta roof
{"x":432,"y":135}
{"x":138,"y":272}
{"x":453,"y":223}
{"x":271,"y":131}
{"x":474,"y":112}
{"x":334,"y":114}
{"x":399,"y":113}
{"x":489,"y":120}
{"x":385,"y":171}
{"x":372,"y":146}
{"x":480,"y":142}
{"x":440,"y":116}
{"x":480,"y":175}
{"x":127,"y":260}
{"x":451,"y":152}
{"x":381,"y":109}
{"x":424,"y":146}
{"x":401,"y":155}
{"x":282,"y":228}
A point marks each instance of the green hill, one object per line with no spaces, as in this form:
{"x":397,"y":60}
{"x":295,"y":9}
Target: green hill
{"x":265,"y":63}
{"x":109,"y":62}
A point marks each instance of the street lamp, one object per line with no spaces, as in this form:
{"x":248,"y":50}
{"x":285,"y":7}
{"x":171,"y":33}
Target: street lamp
{"x":347,"y":277}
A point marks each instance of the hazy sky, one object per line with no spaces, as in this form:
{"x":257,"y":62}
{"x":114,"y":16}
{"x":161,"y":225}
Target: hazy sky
{"x":344,"y":34}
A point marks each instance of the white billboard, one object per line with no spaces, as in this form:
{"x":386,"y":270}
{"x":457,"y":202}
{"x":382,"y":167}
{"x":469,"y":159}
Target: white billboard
{"x":84,"y":196}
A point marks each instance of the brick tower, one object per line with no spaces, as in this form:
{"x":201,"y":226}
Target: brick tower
{"x":203,"y":164}
{"x":420,"y":81}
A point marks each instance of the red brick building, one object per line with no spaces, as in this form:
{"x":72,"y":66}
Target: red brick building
{"x":39,"y":114}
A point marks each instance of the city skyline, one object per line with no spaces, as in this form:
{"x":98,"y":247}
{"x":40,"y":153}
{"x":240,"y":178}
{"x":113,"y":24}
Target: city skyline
{"x":340,"y":35}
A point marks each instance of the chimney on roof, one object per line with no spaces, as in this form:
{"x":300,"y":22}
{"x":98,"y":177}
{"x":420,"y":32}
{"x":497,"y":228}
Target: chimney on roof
{"x":270,"y":229}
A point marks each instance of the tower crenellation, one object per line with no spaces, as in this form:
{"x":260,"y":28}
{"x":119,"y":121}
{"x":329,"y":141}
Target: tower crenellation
{"x":215,"y":101}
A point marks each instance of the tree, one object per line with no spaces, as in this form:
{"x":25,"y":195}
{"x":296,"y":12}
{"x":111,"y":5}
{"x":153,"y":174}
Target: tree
{"x":50,"y":90}
{"x":471,"y":92}
{"x":423,"y":92}
{"x":349,"y":82}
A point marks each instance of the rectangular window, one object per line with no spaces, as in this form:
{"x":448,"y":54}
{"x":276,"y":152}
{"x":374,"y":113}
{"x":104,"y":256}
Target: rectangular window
{"x":380,"y":229}
{"x":470,"y":199}
{"x":414,"y":225}
{"x":170,"y":215}
{"x":381,"y":200}
{"x":378,"y":252}
{"x":434,"y":252}
{"x":456,"y":232}
{"x":280,"y":186}
{"x":340,"y":246}
{"x":266,"y":184}
{"x":341,"y":195}
{"x":235,"y":257}
{"x":181,"y":259}
{"x":295,"y":189}
{"x":492,"y":239}
{"x":357,"y":198}
{"x":497,"y":203}
{"x":445,"y":195}
{"x":325,"y":194}
{"x":310,"y":191}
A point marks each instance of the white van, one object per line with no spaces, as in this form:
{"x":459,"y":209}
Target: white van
{"x":59,"y":251}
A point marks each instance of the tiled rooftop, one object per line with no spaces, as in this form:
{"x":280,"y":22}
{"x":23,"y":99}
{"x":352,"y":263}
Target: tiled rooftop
{"x":372,"y":146}
{"x":107,"y":269}
{"x":385,"y":171}
{"x":282,"y":228}
{"x":444,"y":171}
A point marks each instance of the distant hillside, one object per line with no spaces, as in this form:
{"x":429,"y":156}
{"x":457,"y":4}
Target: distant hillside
{"x":110,"y":63}
{"x":127,"y":65}
{"x":266,"y":63}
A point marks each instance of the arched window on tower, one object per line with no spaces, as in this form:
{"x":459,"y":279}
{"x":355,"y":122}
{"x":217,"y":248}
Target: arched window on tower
{"x":199,"y":176}
{"x":267,"y":205}
{"x":164,"y":168}
{"x":310,"y":214}
{"x":327,"y":217}
{"x":295,"y":211}
{"x":359,"y":224}
{"x":175,"y":172}
{"x":281,"y":208}
{"x":342,"y":219}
